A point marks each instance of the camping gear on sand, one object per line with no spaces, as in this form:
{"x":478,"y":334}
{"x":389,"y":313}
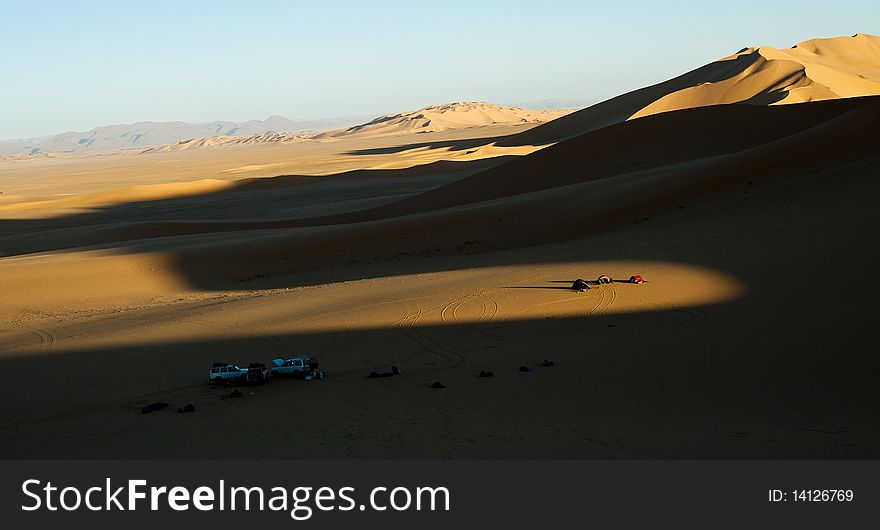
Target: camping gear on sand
{"x":580,"y":285}
{"x":548,"y":362}
{"x":438,"y":384}
{"x":636,"y":279}
{"x":153,"y":407}
{"x":605,"y":279}
{"x":393,"y":371}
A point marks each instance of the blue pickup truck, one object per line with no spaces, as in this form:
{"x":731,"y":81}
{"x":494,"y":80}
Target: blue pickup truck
{"x":294,"y":366}
{"x":227,"y":373}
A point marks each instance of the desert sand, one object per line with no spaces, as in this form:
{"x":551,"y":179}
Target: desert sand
{"x":748,"y":205}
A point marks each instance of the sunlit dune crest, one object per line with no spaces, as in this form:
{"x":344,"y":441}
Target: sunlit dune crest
{"x":814,"y":70}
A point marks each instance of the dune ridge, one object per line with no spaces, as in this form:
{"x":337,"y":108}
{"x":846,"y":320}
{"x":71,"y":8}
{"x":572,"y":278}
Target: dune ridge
{"x":483,"y":212}
{"x":813,"y":70}
{"x":436,"y":118}
{"x":449,"y":116}
{"x":590,"y":183}
{"x":228,"y":141}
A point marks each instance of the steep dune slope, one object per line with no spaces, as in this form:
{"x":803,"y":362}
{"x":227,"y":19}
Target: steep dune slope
{"x":813,"y":70}
{"x":552,"y":195}
{"x":656,"y":141}
{"x":584,"y":183}
{"x":566,"y":208}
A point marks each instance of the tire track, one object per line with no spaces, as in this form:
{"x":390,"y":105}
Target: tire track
{"x":610,"y":303}
{"x":450,"y":358}
{"x":45,"y":337}
{"x":599,"y":304}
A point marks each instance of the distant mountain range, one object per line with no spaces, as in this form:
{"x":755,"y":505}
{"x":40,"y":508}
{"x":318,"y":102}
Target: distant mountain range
{"x":147,"y":134}
{"x":435,"y":118}
{"x":554,"y":103}
{"x":152,"y":134}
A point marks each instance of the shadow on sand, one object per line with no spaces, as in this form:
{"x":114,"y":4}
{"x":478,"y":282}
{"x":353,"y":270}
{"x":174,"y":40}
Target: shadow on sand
{"x":448,"y":208}
{"x":639,"y":385}
{"x":452,"y":145}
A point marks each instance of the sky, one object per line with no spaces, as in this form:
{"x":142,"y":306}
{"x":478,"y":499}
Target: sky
{"x":77,"y":65}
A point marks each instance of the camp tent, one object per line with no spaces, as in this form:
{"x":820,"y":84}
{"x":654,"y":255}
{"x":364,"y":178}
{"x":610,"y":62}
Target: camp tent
{"x":580,"y":285}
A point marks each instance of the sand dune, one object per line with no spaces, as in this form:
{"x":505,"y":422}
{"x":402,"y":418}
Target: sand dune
{"x":449,"y":116}
{"x":590,"y":183}
{"x":639,"y":146}
{"x":587,"y":186}
{"x":813,"y":70}
{"x":433,"y":119}
{"x":68,"y":176}
{"x":227,"y":141}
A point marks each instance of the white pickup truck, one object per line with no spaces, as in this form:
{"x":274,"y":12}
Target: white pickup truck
{"x":294,"y":366}
{"x":225,"y":372}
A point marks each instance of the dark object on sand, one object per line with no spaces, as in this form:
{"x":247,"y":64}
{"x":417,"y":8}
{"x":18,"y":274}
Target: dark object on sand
{"x":257,"y":373}
{"x":187,"y":408}
{"x":235,"y":394}
{"x":153,"y":407}
{"x":548,"y":362}
{"x":438,"y":384}
{"x":486,"y":373}
{"x":636,"y":279}
{"x":604,"y":279}
{"x":394,"y":371}
{"x":580,"y":285}
{"x":525,"y":369}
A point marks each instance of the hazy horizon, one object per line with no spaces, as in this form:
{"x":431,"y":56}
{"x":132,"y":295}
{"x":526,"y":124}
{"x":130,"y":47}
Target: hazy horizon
{"x":229,"y":61}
